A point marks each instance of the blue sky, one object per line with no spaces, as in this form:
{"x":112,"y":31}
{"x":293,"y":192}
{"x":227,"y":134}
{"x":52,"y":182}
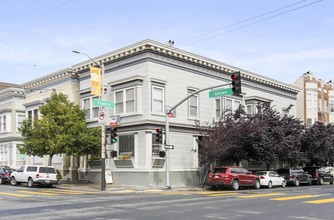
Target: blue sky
{"x":280,"y":39}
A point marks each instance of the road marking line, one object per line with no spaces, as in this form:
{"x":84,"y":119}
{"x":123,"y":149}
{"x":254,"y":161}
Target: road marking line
{"x":37,"y":193}
{"x":320,"y":201}
{"x":294,"y":197}
{"x":260,"y":195}
{"x":215,"y":192}
{"x":62,"y":192}
{"x":222,"y":194}
{"x":11,"y":194}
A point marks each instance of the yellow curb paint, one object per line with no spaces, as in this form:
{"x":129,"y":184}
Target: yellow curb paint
{"x":222,"y":194}
{"x":37,"y":193}
{"x":11,"y":194}
{"x":63,"y":192}
{"x":320,"y":201}
{"x":294,"y":197}
{"x":260,"y":195}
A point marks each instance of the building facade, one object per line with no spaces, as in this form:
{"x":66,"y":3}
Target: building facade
{"x":12,"y":114}
{"x":146,"y":78}
{"x":315,"y":102}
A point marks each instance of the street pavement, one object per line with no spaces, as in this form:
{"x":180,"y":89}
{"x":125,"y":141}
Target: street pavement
{"x":111,"y":188}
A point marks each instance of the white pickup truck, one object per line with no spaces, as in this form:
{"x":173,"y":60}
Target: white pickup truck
{"x":34,"y":175}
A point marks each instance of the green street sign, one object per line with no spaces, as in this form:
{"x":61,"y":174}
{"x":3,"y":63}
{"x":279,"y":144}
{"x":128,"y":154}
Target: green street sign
{"x":220,"y":92}
{"x":103,"y":103}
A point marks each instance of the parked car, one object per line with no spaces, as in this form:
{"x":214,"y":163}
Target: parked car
{"x":295,"y":176}
{"x":270,"y":179}
{"x":233,"y":177}
{"x":4,"y":174}
{"x":320,"y":175}
{"x":34,"y":175}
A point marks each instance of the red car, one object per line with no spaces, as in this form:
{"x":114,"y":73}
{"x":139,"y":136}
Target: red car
{"x":233,"y":177}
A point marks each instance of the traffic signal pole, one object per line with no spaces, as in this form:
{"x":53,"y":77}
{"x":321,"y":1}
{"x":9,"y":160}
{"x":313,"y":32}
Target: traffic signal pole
{"x":167,"y":141}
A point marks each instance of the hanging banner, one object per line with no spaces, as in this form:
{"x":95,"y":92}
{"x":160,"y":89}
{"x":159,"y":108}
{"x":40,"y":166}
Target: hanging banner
{"x":95,"y":81}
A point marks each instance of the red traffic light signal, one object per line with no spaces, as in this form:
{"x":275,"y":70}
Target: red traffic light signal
{"x":158,"y":135}
{"x":236,"y":83}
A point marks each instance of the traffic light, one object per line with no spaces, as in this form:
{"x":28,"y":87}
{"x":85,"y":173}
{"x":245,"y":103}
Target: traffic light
{"x":162,"y":154}
{"x":113,"y":153}
{"x":158,"y":136}
{"x":236,"y":83}
{"x":113,"y":135}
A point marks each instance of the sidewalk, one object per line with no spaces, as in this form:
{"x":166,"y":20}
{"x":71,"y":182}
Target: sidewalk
{"x":111,"y":188}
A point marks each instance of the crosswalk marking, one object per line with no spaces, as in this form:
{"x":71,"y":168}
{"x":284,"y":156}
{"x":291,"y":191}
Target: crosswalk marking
{"x":294,"y":197}
{"x":260,"y":195}
{"x":12,"y":194}
{"x":320,"y":201}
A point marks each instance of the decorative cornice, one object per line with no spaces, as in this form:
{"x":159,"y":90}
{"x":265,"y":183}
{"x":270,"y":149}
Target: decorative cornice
{"x":10,"y":92}
{"x":65,"y":73}
{"x":166,"y":50}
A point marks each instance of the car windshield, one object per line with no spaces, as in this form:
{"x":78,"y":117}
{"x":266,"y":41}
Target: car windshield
{"x":6,"y":170}
{"x":47,"y":170}
{"x":219,"y":170}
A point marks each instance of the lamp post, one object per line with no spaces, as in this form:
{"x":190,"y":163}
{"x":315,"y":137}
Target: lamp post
{"x":103,"y":141}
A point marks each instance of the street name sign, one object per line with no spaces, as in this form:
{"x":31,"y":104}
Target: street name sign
{"x":103,"y":103}
{"x":220,"y":92}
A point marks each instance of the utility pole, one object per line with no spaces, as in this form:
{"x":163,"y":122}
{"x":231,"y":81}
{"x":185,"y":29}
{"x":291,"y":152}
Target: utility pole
{"x":168,"y":111}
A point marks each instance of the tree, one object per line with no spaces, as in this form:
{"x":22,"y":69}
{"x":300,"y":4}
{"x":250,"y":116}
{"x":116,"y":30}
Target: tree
{"x":61,"y":129}
{"x":317,"y":143}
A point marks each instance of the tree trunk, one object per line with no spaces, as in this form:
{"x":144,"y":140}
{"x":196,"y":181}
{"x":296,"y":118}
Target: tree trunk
{"x":50,"y":160}
{"x":206,"y":175}
{"x":268,"y":166}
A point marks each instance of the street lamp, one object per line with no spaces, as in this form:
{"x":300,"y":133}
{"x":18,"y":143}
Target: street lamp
{"x":103,"y":141}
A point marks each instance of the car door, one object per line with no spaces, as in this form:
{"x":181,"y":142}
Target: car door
{"x":20,"y":174}
{"x":275,"y":178}
{"x":247,"y":179}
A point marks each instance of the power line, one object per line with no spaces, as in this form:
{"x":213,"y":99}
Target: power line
{"x":249,"y":19}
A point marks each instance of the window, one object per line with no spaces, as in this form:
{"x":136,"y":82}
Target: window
{"x":125,"y":101}
{"x":91,"y":112}
{"x":237,"y":103}
{"x":309,"y":122}
{"x":228,"y":105}
{"x":250,"y":109}
{"x":127,"y":144}
{"x":31,"y":169}
{"x":33,"y":114}
{"x":315,"y":101}
{"x":309,"y":100}
{"x":157,"y":99}
{"x":193,"y":105}
{"x":20,"y":119}
{"x":331,"y":105}
{"x":218,"y":108}
{"x":3,"y":123}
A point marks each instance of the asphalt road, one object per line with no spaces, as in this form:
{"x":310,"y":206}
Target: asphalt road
{"x":304,"y":202}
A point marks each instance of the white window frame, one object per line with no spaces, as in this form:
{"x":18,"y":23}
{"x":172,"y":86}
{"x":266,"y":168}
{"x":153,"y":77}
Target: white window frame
{"x":20,"y":117}
{"x":218,"y":108}
{"x":90,"y":107}
{"x":190,"y":105}
{"x":156,"y":99}
{"x":124,"y":101}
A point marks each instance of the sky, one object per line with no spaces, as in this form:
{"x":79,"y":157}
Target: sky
{"x":279,"y":39}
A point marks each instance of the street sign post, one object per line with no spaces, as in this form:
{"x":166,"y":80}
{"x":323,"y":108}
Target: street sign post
{"x":103,"y":103}
{"x":220,"y":92}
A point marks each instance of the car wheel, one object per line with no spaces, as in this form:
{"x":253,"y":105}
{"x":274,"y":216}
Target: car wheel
{"x":213,"y":187}
{"x":2,"y":181}
{"x":283,"y":183}
{"x":296,"y":182}
{"x":257,"y":184}
{"x":321,"y":181}
{"x":270,"y":185}
{"x":235,"y":185}
{"x":13,"y":181}
{"x":31,"y":182}
{"x":331,"y":182}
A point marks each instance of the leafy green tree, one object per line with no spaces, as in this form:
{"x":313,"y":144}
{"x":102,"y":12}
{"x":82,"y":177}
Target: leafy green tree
{"x":61,"y":129}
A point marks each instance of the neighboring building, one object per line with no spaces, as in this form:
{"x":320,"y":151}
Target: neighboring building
{"x":37,"y":92}
{"x":316,"y":100}
{"x":145,"y":78}
{"x":12,"y":113}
